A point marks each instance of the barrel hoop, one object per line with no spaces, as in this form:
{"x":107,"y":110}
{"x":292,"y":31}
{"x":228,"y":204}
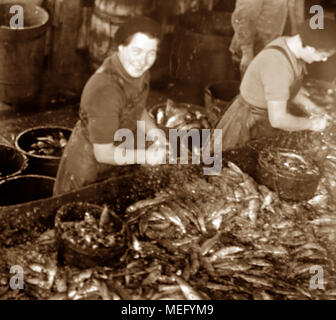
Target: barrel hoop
{"x":7,"y":34}
{"x":115,"y":19}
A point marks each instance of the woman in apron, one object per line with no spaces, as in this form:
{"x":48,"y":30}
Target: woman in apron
{"x":114,"y":98}
{"x":274,"y":78}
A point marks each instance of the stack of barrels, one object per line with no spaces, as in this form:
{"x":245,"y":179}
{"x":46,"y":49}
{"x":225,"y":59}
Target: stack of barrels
{"x":106,"y":18}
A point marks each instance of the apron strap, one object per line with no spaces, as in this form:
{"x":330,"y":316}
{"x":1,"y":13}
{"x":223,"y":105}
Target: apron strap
{"x":285,"y":53}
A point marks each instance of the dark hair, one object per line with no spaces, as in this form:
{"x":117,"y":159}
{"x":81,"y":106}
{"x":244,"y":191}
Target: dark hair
{"x":320,"y":39}
{"x":134,"y":25}
{"x":128,"y":40}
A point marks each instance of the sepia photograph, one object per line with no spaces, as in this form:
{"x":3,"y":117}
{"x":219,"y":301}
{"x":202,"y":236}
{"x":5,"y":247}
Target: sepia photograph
{"x":168,"y":150}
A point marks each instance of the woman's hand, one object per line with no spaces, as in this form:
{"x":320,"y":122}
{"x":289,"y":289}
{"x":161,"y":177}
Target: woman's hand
{"x":306,"y":104}
{"x":318,"y":123}
{"x":156,"y":154}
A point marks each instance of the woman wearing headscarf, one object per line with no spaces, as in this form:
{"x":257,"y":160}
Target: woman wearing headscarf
{"x":112,"y":103}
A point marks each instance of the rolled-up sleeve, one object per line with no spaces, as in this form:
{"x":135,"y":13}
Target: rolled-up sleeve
{"x":101,"y":103}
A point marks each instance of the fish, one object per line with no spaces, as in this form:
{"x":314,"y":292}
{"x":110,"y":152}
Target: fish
{"x":171,"y":107}
{"x":324,"y":221}
{"x":209,"y":243}
{"x":249,"y":187}
{"x":220,"y":287}
{"x":239,"y":193}
{"x":231,"y":266}
{"x":195,"y":263}
{"x":176,"y":121}
{"x":224,"y":252}
{"x":255,"y":280}
{"x":186,"y":271}
{"x":146,"y":203}
{"x":168,"y":288}
{"x":314,"y":246}
{"x":160,"y":116}
{"x":186,"y":213}
{"x":174,"y":218}
{"x":188,"y":291}
{"x":272,"y":249}
{"x":298,"y":268}
{"x":262,"y":295}
{"x":309,"y":254}
{"x":104,"y":216}
{"x":81,"y":276}
{"x":207,"y":265}
{"x":235,"y":168}
{"x":260,"y":262}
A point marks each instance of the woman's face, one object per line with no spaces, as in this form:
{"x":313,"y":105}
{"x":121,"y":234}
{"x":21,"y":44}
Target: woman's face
{"x":139,"y":55}
{"x":311,"y":55}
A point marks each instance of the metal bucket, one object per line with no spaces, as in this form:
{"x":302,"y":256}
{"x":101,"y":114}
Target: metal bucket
{"x":21,"y":52}
{"x":38,"y":163}
{"x":25,"y":188}
{"x":191,"y":146}
{"x":12,"y":162}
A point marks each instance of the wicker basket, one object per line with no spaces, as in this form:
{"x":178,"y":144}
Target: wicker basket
{"x":72,"y":253}
{"x":288,"y":185}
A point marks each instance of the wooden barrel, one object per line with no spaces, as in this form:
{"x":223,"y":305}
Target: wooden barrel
{"x":21,"y":53}
{"x":106,"y":18}
{"x":201,"y":55}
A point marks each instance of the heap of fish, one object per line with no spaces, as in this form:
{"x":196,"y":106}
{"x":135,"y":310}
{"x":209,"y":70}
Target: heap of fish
{"x":278,"y":160}
{"x":51,"y":144}
{"x":225,"y":237}
{"x":180,"y":116}
{"x":241,"y":240}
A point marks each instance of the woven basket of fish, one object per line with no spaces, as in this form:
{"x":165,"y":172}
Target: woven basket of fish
{"x":89,"y":235}
{"x":293,"y":175}
{"x":44,"y":147}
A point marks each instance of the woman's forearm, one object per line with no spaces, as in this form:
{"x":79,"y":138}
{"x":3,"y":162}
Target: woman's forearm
{"x":281,"y":119}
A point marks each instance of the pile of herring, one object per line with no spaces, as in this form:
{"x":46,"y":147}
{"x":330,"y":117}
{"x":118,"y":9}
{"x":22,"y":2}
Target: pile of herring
{"x":224,"y":237}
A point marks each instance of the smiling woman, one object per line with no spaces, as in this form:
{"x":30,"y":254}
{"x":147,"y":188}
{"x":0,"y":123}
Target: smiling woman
{"x":139,"y":54}
{"x":113,"y":98}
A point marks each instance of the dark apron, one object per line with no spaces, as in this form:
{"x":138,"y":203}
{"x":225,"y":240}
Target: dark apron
{"x":78,"y":166}
{"x":243,"y":122}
